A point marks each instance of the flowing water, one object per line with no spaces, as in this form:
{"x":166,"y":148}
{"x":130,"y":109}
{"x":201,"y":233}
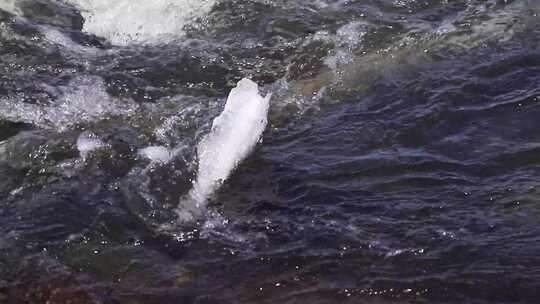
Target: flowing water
{"x":400,"y":159}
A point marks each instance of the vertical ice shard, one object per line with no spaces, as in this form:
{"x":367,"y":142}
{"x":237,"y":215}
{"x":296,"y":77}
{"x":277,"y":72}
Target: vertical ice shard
{"x":233,"y":135}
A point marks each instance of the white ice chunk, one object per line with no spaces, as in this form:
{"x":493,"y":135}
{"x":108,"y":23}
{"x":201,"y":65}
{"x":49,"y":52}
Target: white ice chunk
{"x":234,"y":133}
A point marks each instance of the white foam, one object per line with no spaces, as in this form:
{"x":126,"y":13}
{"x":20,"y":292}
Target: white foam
{"x":10,"y":6}
{"x":234,"y":134}
{"x":352,"y":34}
{"x":84,"y":100}
{"x":123,"y":22}
{"x":156,"y":154}
{"x":54,"y":36}
{"x":88,"y":142}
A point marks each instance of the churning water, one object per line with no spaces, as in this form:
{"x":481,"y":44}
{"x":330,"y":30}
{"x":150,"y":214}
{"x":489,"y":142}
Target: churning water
{"x":254,"y":151}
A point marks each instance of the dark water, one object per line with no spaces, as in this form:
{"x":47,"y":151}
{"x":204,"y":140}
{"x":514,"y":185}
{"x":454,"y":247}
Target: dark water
{"x":401,"y":163}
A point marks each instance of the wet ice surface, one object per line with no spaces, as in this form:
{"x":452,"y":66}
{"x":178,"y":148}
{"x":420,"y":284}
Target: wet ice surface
{"x":233,"y":135}
{"x":398,"y":160}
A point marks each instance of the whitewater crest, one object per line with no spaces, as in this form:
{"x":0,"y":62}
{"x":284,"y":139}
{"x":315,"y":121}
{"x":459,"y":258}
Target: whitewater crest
{"x":10,"y":6}
{"x":156,"y":154}
{"x":234,"y":134}
{"x":87,"y":143}
{"x":84,"y":100}
{"x":125,"y":22}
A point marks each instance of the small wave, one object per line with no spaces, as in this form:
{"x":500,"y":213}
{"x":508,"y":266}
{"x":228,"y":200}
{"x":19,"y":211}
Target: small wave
{"x":84,"y":100}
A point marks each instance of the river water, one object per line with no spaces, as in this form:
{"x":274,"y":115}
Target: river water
{"x":400,"y":161}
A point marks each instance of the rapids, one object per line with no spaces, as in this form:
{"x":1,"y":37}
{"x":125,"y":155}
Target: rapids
{"x":143,"y":161}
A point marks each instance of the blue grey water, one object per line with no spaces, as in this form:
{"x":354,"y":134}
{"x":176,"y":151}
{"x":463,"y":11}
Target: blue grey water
{"x":400,"y":163}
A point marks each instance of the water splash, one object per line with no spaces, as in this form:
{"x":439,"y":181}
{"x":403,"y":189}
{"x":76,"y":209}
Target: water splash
{"x":84,"y":100}
{"x":88,"y":142}
{"x":11,"y":6}
{"x":139,"y":21}
{"x":157,"y":154}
